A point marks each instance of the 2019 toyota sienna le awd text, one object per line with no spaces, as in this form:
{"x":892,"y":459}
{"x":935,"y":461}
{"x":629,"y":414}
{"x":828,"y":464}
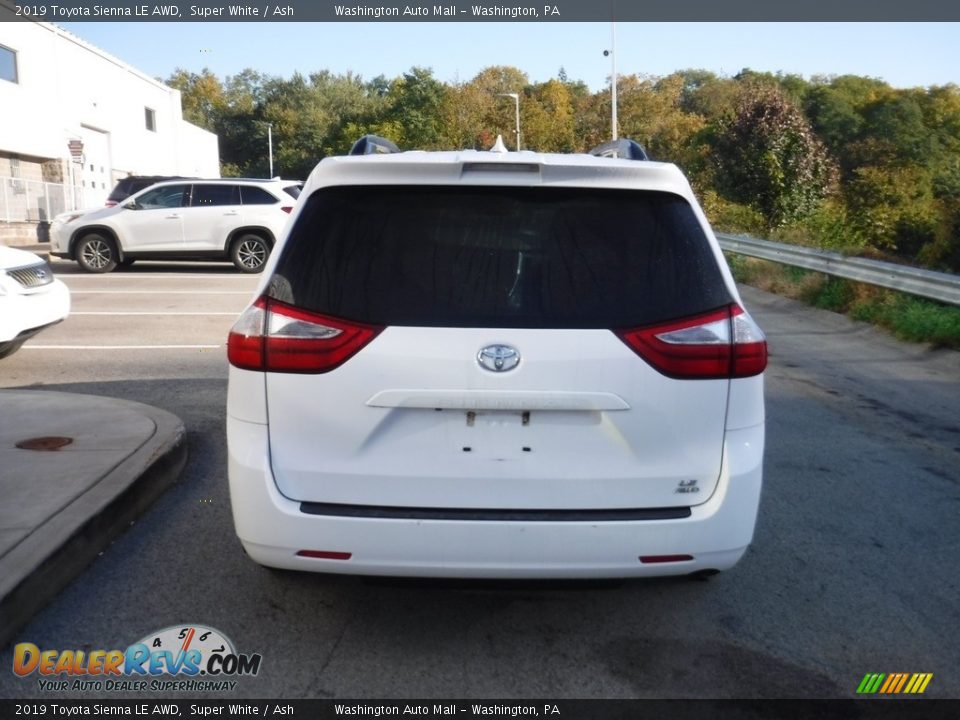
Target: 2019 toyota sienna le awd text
{"x":479,"y":364}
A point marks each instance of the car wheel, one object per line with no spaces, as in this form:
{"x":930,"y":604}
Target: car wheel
{"x":96,"y":253}
{"x":249,"y":253}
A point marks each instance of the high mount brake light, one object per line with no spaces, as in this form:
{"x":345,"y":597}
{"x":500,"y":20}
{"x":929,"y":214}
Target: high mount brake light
{"x":725,"y":343}
{"x":272,"y":336}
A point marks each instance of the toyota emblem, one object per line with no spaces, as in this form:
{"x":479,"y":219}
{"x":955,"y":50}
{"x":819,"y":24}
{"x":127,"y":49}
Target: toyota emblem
{"x":498,"y":358}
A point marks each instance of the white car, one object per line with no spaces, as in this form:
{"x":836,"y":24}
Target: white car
{"x":490,"y":364}
{"x":232,"y":219}
{"x":31,"y":299}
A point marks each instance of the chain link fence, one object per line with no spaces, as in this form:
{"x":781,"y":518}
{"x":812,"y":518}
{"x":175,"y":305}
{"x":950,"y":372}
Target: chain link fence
{"x":35,"y":201}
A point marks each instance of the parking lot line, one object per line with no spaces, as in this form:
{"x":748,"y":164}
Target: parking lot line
{"x":120,"y":347}
{"x":143,"y":276}
{"x":160,"y":292}
{"x":164,"y":314}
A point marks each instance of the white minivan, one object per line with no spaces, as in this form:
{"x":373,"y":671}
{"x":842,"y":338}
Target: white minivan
{"x":490,"y":364}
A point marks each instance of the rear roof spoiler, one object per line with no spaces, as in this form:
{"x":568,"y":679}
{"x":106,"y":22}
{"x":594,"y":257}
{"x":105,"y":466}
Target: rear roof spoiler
{"x":623,"y":148}
{"x":373,"y":145}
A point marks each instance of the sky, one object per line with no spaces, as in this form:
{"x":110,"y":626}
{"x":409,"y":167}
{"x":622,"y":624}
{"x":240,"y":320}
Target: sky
{"x":902,"y":54}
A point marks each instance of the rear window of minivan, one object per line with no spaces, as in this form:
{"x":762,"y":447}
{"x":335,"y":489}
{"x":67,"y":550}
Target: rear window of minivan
{"x":469,"y":256}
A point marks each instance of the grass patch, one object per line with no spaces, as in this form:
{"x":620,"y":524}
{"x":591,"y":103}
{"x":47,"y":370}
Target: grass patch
{"x":905,"y":316}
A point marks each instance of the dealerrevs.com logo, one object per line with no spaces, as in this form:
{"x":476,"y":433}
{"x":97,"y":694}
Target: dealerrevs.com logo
{"x":178,"y":658}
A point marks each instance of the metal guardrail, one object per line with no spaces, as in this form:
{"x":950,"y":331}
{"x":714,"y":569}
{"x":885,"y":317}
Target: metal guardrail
{"x":943,"y":287}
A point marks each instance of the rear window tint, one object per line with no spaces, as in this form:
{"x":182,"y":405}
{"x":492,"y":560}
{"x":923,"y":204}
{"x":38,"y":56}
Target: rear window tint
{"x":461,"y":256}
{"x":293,"y":191}
{"x":253,"y":195}
{"x":215,"y":195}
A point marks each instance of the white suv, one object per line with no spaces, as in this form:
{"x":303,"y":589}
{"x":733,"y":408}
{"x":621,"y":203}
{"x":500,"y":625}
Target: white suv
{"x":230,"y":218}
{"x":479,"y":364}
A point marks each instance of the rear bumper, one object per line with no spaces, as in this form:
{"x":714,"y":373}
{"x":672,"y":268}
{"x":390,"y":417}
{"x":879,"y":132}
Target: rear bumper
{"x":273,"y":529}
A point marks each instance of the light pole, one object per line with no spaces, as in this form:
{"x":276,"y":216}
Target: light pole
{"x":516,"y":100}
{"x":612,"y":52}
{"x":269,"y":142}
{"x":270,"y":145}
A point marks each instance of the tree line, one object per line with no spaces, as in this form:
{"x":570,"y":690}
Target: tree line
{"x":843,"y":162}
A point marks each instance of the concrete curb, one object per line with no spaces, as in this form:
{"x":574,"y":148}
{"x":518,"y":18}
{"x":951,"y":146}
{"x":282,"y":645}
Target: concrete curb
{"x":62,"y":546}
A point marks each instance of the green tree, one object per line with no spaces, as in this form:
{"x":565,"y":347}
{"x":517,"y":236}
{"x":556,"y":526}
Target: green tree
{"x":768,"y":158}
{"x":417,"y":101}
{"x":201,"y":96}
{"x":548,"y":118}
{"x":652,"y":114}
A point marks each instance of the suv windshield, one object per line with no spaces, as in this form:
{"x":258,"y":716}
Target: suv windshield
{"x":467,"y":256}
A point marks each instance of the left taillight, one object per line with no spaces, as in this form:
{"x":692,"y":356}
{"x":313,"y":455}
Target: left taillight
{"x":272,"y":336}
{"x":725,"y":343}
{"x":287,"y":208}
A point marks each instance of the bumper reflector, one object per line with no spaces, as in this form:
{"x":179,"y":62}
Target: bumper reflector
{"x":665,"y":558}
{"x":325,"y":554}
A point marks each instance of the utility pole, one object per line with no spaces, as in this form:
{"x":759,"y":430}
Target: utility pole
{"x":613,"y":81}
{"x":270,"y":145}
{"x":612,"y":52}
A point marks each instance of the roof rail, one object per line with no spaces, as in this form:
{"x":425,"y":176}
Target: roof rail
{"x":623,"y":148}
{"x":373,"y":145}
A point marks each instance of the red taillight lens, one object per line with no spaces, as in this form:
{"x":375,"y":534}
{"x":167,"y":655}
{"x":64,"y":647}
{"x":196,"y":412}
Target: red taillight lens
{"x":110,"y":203}
{"x":273,"y":336}
{"x":287,"y":209}
{"x":726,"y":343}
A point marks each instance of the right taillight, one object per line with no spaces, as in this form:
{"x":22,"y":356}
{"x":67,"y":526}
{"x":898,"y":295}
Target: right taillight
{"x":725,"y":343}
{"x":273,"y":336}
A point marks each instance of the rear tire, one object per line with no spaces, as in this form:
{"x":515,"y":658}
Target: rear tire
{"x":96,"y":253}
{"x":249,"y":253}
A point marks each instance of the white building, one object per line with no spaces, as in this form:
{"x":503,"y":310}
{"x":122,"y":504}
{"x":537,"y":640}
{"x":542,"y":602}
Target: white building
{"x":74,"y":120}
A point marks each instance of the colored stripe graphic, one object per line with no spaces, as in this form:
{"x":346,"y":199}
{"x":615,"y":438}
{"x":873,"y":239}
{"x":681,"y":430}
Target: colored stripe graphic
{"x":903,"y":679}
{"x":894,"y":683}
{"x":891,"y":681}
{"x":871,"y":683}
{"x":915,"y":681}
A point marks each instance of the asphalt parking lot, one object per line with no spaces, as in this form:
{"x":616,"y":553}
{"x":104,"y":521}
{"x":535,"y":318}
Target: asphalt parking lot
{"x":852,"y":569}
{"x":186,"y":307}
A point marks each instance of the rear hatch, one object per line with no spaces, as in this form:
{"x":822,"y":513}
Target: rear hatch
{"x":485,"y":356}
